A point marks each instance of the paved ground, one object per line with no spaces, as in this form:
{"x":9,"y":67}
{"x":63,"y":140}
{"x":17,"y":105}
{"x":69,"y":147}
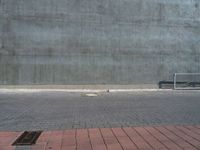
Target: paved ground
{"x":137,"y":138}
{"x":62,"y":110}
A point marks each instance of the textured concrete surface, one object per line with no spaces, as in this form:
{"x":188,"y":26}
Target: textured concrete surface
{"x":61,"y":110}
{"x":98,"y":41}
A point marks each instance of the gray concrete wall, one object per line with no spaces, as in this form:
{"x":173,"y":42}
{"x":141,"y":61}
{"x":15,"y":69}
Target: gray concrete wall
{"x":97,"y":41}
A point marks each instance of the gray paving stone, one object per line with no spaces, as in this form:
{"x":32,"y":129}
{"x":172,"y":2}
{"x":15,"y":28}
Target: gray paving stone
{"x":61,"y":110}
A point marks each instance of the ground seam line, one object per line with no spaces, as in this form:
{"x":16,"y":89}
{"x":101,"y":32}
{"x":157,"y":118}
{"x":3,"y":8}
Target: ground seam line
{"x":76,"y":139}
{"x":103,"y":138}
{"x":143,"y":138}
{"x":62,"y":139}
{"x":181,"y":138}
{"x":89,"y":139}
{"x":167,"y":137}
{"x":192,"y":130}
{"x":157,"y":139}
{"x":116,"y":138}
{"x":188,"y":134}
{"x":130,"y":138}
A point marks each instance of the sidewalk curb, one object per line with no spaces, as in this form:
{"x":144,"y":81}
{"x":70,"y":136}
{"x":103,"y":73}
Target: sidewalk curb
{"x":81,"y":90}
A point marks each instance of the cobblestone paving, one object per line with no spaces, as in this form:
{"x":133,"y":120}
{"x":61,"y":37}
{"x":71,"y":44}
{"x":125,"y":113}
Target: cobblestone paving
{"x":62,"y":110}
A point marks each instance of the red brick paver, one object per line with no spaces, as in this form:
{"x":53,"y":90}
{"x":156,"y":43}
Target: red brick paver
{"x":97,"y":140}
{"x":136,"y":138}
{"x":6,"y":139}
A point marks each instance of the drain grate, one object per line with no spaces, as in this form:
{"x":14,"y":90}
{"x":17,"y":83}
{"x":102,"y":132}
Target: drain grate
{"x":27,"y":138}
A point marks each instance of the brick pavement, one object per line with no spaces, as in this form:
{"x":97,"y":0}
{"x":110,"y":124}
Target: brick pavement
{"x":126,"y":138}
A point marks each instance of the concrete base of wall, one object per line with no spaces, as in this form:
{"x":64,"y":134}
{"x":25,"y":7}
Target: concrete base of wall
{"x":82,"y":87}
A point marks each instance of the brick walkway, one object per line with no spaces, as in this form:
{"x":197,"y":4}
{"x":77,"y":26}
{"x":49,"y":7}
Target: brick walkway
{"x":143,"y":138}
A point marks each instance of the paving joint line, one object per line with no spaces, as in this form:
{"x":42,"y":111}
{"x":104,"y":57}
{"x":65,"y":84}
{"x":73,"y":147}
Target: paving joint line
{"x":103,"y":138}
{"x":143,"y":138}
{"x":156,"y":138}
{"x":168,"y":137}
{"x":116,"y":138}
{"x":192,"y":130}
{"x":89,"y":138}
{"x":181,"y":138}
{"x":187,"y":134}
{"x":130,"y":138}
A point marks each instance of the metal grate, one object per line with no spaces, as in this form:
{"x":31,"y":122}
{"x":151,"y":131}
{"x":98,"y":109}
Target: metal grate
{"x":27,"y":138}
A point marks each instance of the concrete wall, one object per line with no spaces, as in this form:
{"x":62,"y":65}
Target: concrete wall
{"x":98,"y":41}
